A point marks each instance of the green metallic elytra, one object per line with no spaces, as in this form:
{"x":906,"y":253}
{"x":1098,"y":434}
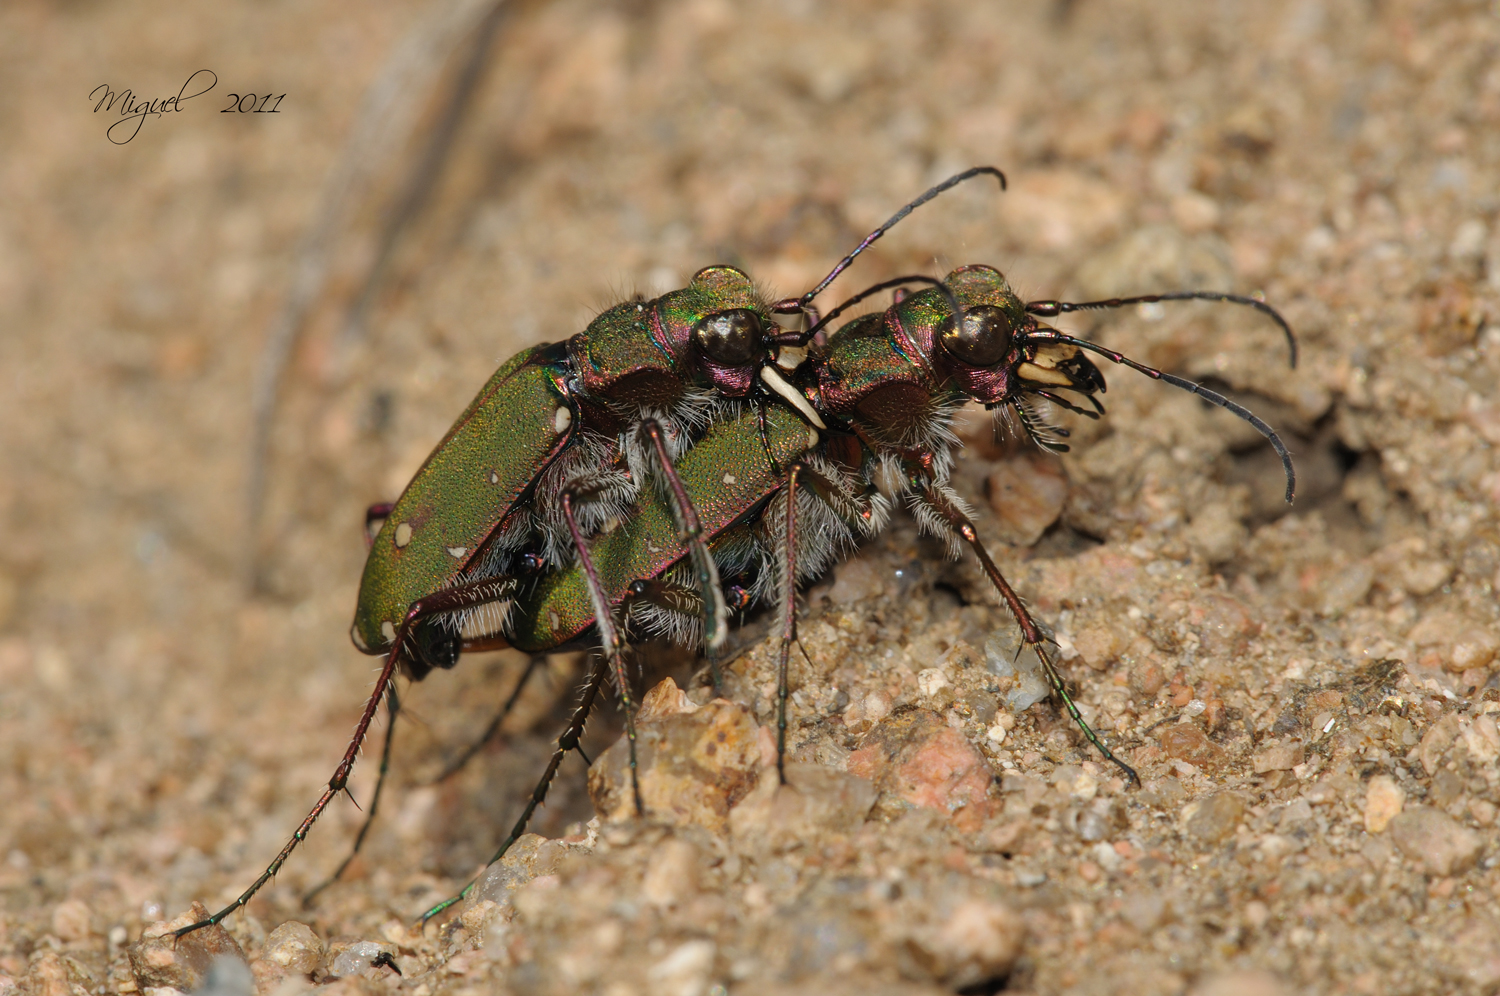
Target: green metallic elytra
{"x":475,"y":476}
{"x":727,"y":474}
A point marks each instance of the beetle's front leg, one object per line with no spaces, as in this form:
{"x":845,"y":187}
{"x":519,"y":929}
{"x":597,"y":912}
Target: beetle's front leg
{"x":943,"y":505}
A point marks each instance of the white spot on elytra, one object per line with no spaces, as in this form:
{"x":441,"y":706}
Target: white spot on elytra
{"x":812,"y":437}
{"x":561,"y":419}
{"x":457,"y":551}
{"x":359,"y":641}
{"x":403,"y":534}
{"x":554,"y":619}
{"x":494,"y":477}
{"x":388,"y":631}
{"x":730,"y":479}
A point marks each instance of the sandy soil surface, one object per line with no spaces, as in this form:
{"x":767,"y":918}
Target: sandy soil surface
{"x":1309,"y":695}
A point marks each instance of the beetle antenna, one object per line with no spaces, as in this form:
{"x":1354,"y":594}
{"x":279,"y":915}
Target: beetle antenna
{"x":1051,"y":309}
{"x":890,"y":223}
{"x":1213,"y":397}
{"x":802,"y":338}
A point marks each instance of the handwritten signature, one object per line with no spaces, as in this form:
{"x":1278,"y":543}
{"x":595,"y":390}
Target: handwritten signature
{"x":134,"y":110}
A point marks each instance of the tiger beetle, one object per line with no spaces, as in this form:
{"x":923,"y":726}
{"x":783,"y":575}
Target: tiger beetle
{"x":532,"y":524}
{"x":562,"y":443}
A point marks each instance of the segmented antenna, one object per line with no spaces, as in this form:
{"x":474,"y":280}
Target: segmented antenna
{"x":1212,"y":397}
{"x":802,"y":338}
{"x":1051,"y":309}
{"x":796,"y":305}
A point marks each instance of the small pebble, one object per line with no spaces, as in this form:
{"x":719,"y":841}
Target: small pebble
{"x":295,"y":947}
{"x":1278,"y":757}
{"x":916,"y":759}
{"x":1214,"y":818}
{"x":159,"y":959}
{"x":1482,"y":738}
{"x":1187,"y":742}
{"x":1030,"y":878}
{"x":1100,"y":646}
{"x":1247,"y":983}
{"x":70,"y":920}
{"x":1004,"y":662}
{"x":979,"y":941}
{"x":1383,"y":802}
{"x":1147,"y":678}
{"x":686,"y":969}
{"x":672,"y":874}
{"x":1347,"y":588}
{"x":355,"y":959}
{"x":1108,"y":855}
{"x":694,"y":766}
{"x":930,"y":681}
{"x":1436,"y":841}
{"x":228,"y":976}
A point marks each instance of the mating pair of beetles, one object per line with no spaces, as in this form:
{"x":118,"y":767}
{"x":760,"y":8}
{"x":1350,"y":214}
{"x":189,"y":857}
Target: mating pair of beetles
{"x":688,"y":455}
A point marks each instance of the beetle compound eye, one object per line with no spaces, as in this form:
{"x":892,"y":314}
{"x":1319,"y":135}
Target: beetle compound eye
{"x":730,"y":338}
{"x":984,"y":338}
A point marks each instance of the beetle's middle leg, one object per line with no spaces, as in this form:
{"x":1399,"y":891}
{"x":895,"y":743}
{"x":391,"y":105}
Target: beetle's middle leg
{"x":453,"y":766}
{"x":788,"y":607}
{"x":568,"y":741}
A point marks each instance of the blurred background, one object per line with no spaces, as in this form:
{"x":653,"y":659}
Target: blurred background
{"x":222,"y":339}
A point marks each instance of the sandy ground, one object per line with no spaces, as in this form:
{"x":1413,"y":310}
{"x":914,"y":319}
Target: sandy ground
{"x":1309,"y":695}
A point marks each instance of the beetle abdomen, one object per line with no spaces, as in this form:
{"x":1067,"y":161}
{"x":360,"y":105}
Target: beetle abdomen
{"x":487,"y":463}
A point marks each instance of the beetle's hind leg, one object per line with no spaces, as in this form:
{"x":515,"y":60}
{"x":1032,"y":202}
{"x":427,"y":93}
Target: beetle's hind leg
{"x":941,"y":504}
{"x":393,"y":706}
{"x":566,"y":742}
{"x":446,"y":600}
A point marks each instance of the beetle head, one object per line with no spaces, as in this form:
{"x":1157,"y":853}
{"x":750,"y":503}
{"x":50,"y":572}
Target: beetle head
{"x":715,"y":328}
{"x":891,"y":371}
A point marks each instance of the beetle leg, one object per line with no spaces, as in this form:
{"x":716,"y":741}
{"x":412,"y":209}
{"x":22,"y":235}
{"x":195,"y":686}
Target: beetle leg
{"x":393,"y":705}
{"x":468,"y":753}
{"x":609,"y":637}
{"x":690,"y":534}
{"x":568,"y":741}
{"x":462,"y":596}
{"x":788,"y":613}
{"x":941,"y":504}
